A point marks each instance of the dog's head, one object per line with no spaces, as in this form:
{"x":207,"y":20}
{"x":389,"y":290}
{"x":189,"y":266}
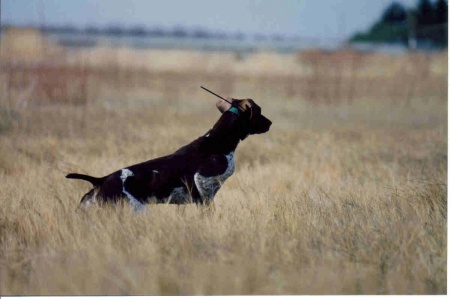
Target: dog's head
{"x":248,"y":116}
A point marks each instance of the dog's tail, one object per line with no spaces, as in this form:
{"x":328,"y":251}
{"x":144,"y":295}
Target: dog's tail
{"x":94,"y":181}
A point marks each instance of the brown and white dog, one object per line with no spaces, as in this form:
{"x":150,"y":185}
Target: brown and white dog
{"x":192,"y":174}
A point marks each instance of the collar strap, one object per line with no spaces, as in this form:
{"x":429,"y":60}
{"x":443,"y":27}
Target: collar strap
{"x":234,"y":110}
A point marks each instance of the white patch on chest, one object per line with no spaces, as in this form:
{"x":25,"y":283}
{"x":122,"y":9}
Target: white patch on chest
{"x":135,"y":204}
{"x":208,"y":186}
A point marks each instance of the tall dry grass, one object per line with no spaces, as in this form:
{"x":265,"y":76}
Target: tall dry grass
{"x":334,"y":199}
{"x":319,"y":205}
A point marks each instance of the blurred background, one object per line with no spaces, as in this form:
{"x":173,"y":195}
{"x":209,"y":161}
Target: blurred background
{"x":338,"y":52}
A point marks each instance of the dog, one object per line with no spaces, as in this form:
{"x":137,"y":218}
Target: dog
{"x":192,"y":174}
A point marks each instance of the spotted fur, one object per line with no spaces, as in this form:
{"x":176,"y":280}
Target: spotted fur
{"x":88,"y":199}
{"x":135,"y":204}
{"x":208,"y":186}
{"x":178,"y":195}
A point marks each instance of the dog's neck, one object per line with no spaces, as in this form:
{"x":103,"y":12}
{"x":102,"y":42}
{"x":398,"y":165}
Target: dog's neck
{"x":222,"y":144}
{"x":225,"y":135}
{"x":222,"y":138}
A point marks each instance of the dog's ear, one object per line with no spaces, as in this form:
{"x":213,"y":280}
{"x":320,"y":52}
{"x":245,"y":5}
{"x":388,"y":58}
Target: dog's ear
{"x":223,"y":105}
{"x":258,"y":124}
{"x":251,"y":109}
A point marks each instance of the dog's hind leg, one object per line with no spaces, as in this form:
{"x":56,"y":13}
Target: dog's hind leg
{"x":127,"y":177}
{"x":135,"y":204}
{"x":88,"y":200}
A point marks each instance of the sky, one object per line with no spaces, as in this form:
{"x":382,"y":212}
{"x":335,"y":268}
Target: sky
{"x":296,"y":18}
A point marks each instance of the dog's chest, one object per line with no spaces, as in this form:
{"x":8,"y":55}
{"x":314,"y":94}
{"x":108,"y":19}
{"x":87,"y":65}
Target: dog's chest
{"x":230,"y":167}
{"x":209,"y":185}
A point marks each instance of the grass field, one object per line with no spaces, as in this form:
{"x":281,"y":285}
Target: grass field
{"x":341,"y":199}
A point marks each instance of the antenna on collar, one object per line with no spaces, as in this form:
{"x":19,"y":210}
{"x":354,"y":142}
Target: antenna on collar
{"x":232,"y":104}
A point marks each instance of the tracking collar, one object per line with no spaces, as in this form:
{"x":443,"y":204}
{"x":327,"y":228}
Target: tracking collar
{"x":234,"y":110}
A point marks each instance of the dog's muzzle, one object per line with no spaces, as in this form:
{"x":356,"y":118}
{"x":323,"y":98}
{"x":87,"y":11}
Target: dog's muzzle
{"x":262,"y":125}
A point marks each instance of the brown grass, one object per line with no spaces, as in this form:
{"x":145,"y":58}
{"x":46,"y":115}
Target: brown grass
{"x":348,"y":199}
{"x":26,"y":44}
